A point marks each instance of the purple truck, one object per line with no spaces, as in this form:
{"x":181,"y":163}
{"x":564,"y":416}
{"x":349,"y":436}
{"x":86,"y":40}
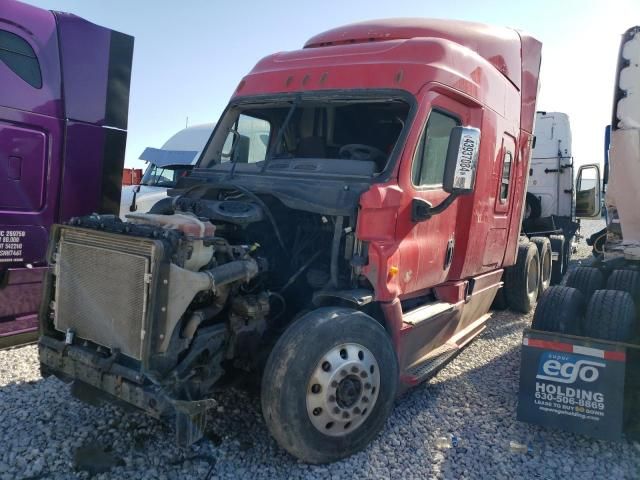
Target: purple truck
{"x":64,"y":95}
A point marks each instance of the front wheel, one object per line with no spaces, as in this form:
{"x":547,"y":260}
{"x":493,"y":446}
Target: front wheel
{"x":329,"y":384}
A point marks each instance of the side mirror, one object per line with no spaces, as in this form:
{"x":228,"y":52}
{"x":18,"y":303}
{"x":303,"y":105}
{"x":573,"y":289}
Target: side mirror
{"x":588,"y":191}
{"x":462,"y":161}
{"x":230,"y":144}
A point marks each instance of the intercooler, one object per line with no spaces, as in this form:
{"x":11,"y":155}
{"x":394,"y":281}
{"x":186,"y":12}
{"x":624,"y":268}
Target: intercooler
{"x":102,"y":285}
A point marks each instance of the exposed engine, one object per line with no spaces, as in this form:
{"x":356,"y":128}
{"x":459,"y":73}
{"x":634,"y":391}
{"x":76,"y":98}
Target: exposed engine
{"x":196,"y":289}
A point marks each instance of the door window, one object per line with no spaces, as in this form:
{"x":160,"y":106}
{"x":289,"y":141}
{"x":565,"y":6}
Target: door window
{"x":429,"y":162}
{"x":18,"y":55}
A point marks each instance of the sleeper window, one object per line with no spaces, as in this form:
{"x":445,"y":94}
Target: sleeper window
{"x":506,"y":173}
{"x":428,"y":165}
{"x":18,"y":55}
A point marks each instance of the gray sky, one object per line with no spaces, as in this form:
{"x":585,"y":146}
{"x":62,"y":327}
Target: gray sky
{"x":190,"y":55}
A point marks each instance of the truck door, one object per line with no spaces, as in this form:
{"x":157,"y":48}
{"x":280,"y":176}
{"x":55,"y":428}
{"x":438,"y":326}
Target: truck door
{"x":30,"y":133}
{"x":427,"y":247}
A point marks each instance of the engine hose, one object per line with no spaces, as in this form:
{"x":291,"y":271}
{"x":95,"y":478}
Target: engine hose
{"x":300,"y":270}
{"x":232,"y":272}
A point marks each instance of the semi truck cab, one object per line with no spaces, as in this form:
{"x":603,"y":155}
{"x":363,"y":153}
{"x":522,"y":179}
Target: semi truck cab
{"x":343,"y":234}
{"x":63,"y":119}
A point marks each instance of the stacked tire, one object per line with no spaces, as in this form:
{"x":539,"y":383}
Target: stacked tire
{"x":590,"y":307}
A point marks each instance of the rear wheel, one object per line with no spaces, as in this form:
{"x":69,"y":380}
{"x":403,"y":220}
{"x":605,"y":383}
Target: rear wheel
{"x":544,"y":252}
{"x":610,"y":316}
{"x":559,"y":310}
{"x":533,"y":207}
{"x":558,"y":268}
{"x":499,"y":301}
{"x":586,"y":279}
{"x":329,"y":384}
{"x":521,"y":280}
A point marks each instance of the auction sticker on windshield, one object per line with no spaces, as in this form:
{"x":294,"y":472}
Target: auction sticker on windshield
{"x":569,"y":384}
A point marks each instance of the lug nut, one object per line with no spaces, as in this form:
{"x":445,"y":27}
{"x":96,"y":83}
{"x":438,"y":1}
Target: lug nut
{"x":334,"y":384}
{"x":345,"y":414}
{"x":336,"y":410}
{"x":354,"y":369}
{"x":356,"y":410}
{"x":367,"y":386}
{"x":332,"y":398}
{"x":365,"y":399}
{"x":343,"y":373}
{"x":363,"y":374}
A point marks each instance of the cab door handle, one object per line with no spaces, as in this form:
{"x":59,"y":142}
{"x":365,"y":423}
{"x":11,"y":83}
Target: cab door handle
{"x":448,"y":257}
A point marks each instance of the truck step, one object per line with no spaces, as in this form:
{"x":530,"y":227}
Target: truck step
{"x":432,"y":362}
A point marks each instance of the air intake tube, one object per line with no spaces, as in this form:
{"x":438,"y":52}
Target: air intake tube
{"x":231,"y":272}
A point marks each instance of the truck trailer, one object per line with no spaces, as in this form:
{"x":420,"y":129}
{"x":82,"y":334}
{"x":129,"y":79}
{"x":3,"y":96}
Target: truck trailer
{"x":343,"y":263}
{"x":63,"y":120}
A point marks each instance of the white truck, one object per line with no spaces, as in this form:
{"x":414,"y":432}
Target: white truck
{"x":176,"y":157}
{"x":550,"y":204}
{"x":552,"y":207}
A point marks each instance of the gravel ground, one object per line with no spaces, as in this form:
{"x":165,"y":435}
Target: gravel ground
{"x":473,"y":398}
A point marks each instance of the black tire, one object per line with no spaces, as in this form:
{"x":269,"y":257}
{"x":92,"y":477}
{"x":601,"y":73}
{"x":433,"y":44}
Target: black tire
{"x":546,"y":264}
{"x":286,"y":384}
{"x":586,"y":279}
{"x":499,"y":302}
{"x":559,"y":310}
{"x":521,"y":280}
{"x":533,"y":207}
{"x":626,"y":281}
{"x":610,"y":316}
{"x":558,"y":268}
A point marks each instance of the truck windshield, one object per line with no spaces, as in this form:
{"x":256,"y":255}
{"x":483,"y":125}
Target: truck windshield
{"x":333,"y":136}
{"x":166,"y":177}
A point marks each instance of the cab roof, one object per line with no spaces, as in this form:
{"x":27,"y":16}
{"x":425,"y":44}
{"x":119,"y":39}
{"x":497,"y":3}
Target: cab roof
{"x":500,"y":46}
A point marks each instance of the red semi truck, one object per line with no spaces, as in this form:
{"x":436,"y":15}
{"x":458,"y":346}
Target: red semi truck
{"x":345,"y":262}
{"x":64,"y":99}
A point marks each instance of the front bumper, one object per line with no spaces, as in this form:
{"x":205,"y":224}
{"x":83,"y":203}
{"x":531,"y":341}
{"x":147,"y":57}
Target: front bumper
{"x":120,"y":383}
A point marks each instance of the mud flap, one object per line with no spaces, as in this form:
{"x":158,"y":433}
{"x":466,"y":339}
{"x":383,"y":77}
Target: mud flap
{"x":191,"y":420}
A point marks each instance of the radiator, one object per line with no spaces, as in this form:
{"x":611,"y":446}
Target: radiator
{"x":102,"y":288}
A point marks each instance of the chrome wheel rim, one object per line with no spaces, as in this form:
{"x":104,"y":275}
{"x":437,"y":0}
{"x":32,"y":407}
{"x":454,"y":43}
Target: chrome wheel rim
{"x":343,"y":389}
